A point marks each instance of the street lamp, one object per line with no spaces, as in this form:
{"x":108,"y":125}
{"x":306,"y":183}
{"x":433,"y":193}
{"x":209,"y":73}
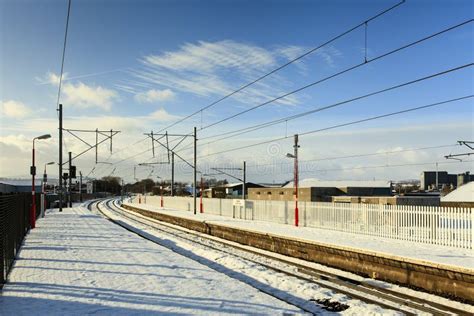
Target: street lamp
{"x":33,"y":173}
{"x":43,"y":185}
{"x":295,"y":182}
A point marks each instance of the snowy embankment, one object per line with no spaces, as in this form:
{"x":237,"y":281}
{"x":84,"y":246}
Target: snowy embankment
{"x":77,"y":263}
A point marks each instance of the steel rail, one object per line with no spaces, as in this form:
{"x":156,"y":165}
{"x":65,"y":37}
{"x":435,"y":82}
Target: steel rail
{"x":354,"y":288}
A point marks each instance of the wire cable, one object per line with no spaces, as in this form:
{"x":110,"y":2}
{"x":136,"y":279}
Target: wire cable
{"x":283,"y":66}
{"x":64,"y":54}
{"x":345,"y":124}
{"x":351,"y":156}
{"x":245,"y":130}
{"x":338,"y":73}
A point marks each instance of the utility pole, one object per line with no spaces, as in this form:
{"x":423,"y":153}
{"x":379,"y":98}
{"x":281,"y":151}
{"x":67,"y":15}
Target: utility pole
{"x":172,"y":173}
{"x":70,"y":180}
{"x":296,"y":180}
{"x":244,"y":178}
{"x":195,"y":169}
{"x":80,"y":186}
{"x":60,"y":178}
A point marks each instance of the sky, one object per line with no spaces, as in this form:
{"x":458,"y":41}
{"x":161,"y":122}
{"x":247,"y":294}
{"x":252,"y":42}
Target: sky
{"x":138,"y":66}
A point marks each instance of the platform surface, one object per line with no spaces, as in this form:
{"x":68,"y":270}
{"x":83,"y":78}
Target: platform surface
{"x":78,"y":263}
{"x":416,"y":252}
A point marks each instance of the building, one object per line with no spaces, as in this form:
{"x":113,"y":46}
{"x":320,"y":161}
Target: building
{"x":428,"y":179}
{"x":18,"y":185}
{"x":229,"y":190}
{"x":323,"y":191}
{"x":464,"y":178}
{"x":425,"y":200}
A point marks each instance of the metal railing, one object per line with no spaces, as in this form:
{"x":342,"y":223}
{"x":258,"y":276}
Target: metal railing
{"x":14,"y":225}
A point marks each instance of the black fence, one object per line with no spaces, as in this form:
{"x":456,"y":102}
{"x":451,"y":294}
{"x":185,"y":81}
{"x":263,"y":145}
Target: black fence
{"x":14,"y":225}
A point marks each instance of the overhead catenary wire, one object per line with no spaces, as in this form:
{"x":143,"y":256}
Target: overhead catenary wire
{"x":120,"y":150}
{"x":350,"y":69}
{"x":257,"y":165}
{"x":327,"y":128}
{"x":344,"y":124}
{"x":385,"y":166}
{"x":64,"y":54}
{"x":338,"y":74}
{"x":376,"y":58}
{"x":249,"y":129}
{"x":411,"y":44}
{"x":283,"y":66}
{"x":379,"y":153}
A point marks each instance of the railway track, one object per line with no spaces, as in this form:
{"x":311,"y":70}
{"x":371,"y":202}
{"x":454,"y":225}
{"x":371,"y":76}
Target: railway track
{"x":354,"y":288}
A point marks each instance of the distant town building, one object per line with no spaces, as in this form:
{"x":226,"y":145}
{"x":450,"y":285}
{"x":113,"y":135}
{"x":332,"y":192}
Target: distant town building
{"x":323,"y":191}
{"x":428,"y":179}
{"x":229,"y":190}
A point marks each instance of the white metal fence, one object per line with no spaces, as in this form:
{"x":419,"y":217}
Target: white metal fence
{"x":447,"y":226}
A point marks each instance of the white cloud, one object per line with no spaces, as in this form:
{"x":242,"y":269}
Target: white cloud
{"x":81,"y":95}
{"x":84,"y":96}
{"x":51,"y":78}
{"x":209,"y":57}
{"x":162,"y":115}
{"x":14,"y":109}
{"x":154,"y":95}
{"x":214,"y":69}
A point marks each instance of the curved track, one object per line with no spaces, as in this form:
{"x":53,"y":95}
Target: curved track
{"x":364,"y":291}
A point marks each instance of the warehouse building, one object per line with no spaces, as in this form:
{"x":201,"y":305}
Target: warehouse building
{"x":322,"y":191}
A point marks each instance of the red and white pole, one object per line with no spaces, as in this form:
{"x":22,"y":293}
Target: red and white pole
{"x":296,"y":181}
{"x":161,"y":201}
{"x":201,"y":208}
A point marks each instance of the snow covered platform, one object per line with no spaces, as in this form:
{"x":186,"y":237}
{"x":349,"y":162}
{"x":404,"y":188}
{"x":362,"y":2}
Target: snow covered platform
{"x":437,"y":255}
{"x":434,"y":268}
{"x":77,"y":263}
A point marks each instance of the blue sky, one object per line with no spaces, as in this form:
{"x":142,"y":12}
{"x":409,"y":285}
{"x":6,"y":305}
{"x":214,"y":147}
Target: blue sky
{"x":139,"y":65}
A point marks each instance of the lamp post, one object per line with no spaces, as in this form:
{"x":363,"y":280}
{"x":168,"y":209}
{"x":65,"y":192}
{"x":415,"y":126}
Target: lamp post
{"x":33,"y":173}
{"x":295,"y":182}
{"x":43,"y":185}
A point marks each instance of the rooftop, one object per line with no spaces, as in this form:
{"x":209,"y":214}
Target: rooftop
{"x":312,"y":182}
{"x":464,"y":193}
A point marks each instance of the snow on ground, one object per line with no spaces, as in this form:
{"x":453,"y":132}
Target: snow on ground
{"x":291,"y":289}
{"x":77,"y":263}
{"x":463,"y":258}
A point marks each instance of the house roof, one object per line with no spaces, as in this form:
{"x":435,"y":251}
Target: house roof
{"x":464,"y":193}
{"x":236,"y":184}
